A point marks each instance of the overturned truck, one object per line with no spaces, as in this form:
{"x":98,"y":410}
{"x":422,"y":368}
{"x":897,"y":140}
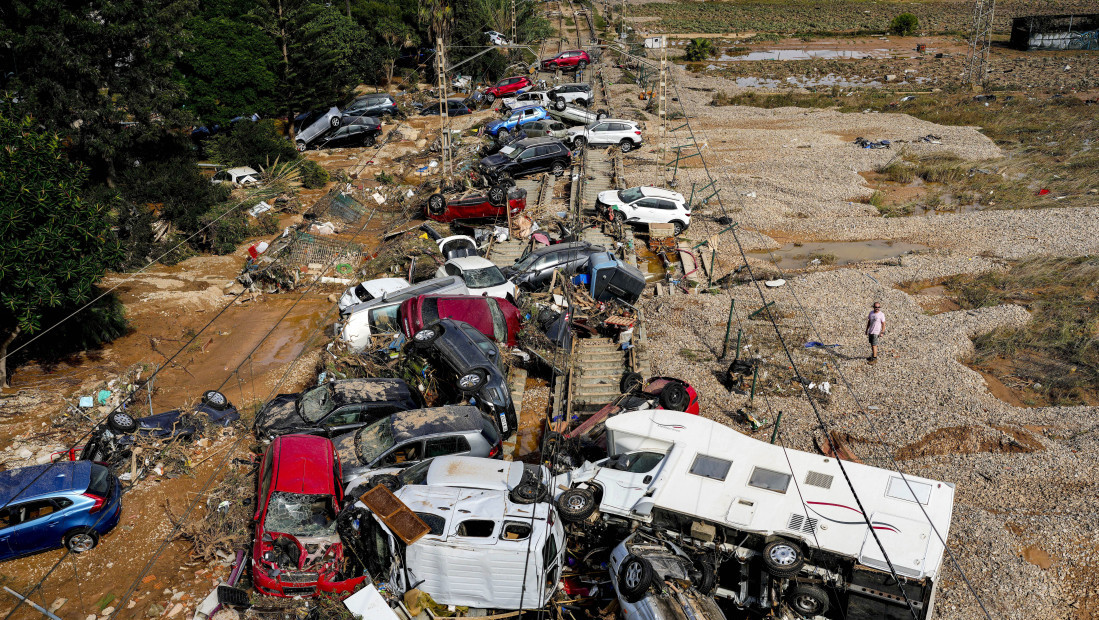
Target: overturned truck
{"x":783,"y":528}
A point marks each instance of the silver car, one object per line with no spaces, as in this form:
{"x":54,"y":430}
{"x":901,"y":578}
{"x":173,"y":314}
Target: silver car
{"x":312,"y":125}
{"x":641,"y":565}
{"x":547,"y":127}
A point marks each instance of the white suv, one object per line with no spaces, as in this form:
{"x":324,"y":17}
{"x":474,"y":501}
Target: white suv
{"x":646,"y":205}
{"x":626,"y":134}
{"x":578,"y":93}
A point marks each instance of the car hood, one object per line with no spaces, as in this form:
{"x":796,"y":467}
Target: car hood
{"x":610,"y":197}
{"x":495,"y":160}
{"x":500,"y":290}
{"x":280,"y":413}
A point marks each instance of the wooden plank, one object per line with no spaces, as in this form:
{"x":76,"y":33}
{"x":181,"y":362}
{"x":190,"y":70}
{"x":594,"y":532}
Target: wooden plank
{"x":394,"y":514}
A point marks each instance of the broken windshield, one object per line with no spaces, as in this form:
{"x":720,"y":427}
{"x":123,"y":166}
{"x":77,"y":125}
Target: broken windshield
{"x":315,"y":404}
{"x":372,"y":441}
{"x":481,"y":278}
{"x":300,"y":515}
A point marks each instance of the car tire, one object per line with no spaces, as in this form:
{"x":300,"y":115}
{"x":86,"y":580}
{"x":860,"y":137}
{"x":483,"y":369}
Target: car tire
{"x":498,"y":195}
{"x":335,"y":122}
{"x":489,"y":98}
{"x":473,"y":380}
{"x":388,"y":481}
{"x":121,"y":422}
{"x":631,"y":382}
{"x":583,"y":102}
{"x":560,"y":104}
{"x":558,"y":168}
{"x":528,"y":493}
{"x":81,"y":539}
{"x":436,"y":204}
{"x":425,"y":337}
{"x":215,"y":400}
{"x":576,"y":505}
{"x":707,"y":576}
{"x":580,"y":66}
{"x":600,"y":115}
{"x":808,"y":600}
{"x":301,"y":146}
{"x":635,"y":575}
{"x":369,"y":140}
{"x":674,"y":397}
{"x":625,"y":146}
{"x":783,"y":558}
{"x":579,"y":141}
{"x":502,"y":136}
{"x":678,"y":228}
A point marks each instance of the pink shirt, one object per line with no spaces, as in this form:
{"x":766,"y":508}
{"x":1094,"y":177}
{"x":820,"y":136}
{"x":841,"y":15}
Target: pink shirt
{"x":875,"y":320}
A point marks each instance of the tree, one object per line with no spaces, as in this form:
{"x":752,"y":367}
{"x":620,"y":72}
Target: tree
{"x":257,"y":145}
{"x":700,"y":49}
{"x":904,"y":24}
{"x":54,"y":244}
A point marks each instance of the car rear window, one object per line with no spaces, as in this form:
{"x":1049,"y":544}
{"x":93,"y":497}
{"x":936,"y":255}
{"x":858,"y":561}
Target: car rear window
{"x":100,"y":483}
{"x":429,"y":312}
{"x":488,"y":429}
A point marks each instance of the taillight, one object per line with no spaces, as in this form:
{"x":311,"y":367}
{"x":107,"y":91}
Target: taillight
{"x":688,"y":214}
{"x":98,"y":502}
{"x":637,"y":133}
{"x":494,"y":451}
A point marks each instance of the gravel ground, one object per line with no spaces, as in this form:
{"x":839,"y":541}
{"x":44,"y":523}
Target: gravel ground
{"x":1024,"y":530}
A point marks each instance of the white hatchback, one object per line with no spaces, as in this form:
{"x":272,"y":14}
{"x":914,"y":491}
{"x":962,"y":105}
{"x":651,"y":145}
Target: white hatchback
{"x":607,"y":131}
{"x":481,"y":276}
{"x":646,"y":205}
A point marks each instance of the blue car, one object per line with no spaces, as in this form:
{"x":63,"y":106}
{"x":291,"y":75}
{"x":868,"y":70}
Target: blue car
{"x":518,"y":117}
{"x":67,"y":504}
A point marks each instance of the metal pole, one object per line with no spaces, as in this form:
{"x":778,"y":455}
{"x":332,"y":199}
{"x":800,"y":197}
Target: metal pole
{"x":755,"y":375}
{"x":739,"y":333}
{"x":728,"y":328}
{"x":713,"y":262}
{"x":774,"y":433}
{"x":444,"y":116}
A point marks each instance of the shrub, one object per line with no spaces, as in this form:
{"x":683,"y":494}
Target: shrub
{"x":255,"y":144}
{"x":312,"y":175}
{"x":904,"y":24}
{"x":700,"y":49}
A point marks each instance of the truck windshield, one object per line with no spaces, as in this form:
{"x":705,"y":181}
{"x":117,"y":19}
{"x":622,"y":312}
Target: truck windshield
{"x":300,"y":515}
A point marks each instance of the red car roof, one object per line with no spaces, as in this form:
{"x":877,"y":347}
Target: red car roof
{"x":305,"y":465}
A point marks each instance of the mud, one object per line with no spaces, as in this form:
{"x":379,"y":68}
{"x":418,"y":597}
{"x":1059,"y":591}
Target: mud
{"x":970,"y":440}
{"x":799,"y":255}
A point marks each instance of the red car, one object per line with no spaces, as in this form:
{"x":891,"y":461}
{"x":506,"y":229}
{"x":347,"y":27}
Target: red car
{"x":297,"y":551}
{"x":507,"y":86}
{"x":571,"y":59}
{"x":496,"y":318}
{"x":657,"y":393}
{"x":488,"y":206}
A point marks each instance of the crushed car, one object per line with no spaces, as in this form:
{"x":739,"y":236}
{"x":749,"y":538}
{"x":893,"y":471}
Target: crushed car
{"x":477,"y":208}
{"x":527,"y":157}
{"x":494,"y":317}
{"x":369,"y":290}
{"x":657,"y":580}
{"x":535,"y":270}
{"x":379,"y":316}
{"x":481,"y":276}
{"x":506,"y":87}
{"x":502,"y":129}
{"x":335,"y":407}
{"x":525,"y":483}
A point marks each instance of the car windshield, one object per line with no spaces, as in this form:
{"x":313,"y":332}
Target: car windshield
{"x":415,"y":474}
{"x":362,"y":294}
{"x":509,"y":151}
{"x":316,"y":403}
{"x":372,"y":441}
{"x":481,"y":278}
{"x":630,"y":195}
{"x":300,"y":515}
{"x":526,"y":262}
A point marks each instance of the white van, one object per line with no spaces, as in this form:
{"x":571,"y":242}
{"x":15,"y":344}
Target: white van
{"x":782,"y":513}
{"x":379,"y":315}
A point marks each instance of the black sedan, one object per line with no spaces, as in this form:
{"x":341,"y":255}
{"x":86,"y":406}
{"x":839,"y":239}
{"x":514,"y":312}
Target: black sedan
{"x":455,"y":362}
{"x":535,"y":270}
{"x":360,"y":131}
{"x":335,"y":407}
{"x":454,"y":107}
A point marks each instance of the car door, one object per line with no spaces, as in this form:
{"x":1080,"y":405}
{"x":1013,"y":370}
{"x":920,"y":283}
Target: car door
{"x":598,"y":133}
{"x":645,"y":210}
{"x":32,"y":526}
{"x":626,"y":480}
{"x":664,"y":211}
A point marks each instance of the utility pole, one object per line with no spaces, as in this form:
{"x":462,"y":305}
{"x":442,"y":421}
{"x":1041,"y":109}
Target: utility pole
{"x":979,"y":43}
{"x":662,"y":108}
{"x":512,"y":40}
{"x":444,"y":117}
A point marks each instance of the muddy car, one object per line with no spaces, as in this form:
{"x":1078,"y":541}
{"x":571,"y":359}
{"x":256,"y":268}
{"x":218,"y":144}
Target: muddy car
{"x":526,"y":483}
{"x":657,"y":580}
{"x":335,"y":407}
{"x":408,"y":437}
{"x":297,"y":551}
{"x":451,"y":362}
{"x":113,"y":440}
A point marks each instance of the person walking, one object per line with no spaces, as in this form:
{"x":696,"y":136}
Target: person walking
{"x":875,"y":327}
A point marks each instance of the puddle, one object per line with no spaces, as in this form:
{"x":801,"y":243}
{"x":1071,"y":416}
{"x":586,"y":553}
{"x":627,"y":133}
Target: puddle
{"x":807,"y":55}
{"x":1037,"y":556}
{"x":836,"y":253}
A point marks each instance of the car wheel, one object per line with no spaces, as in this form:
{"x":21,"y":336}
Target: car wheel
{"x":335,"y":122}
{"x":634,"y":578}
{"x":81,"y":539}
{"x":576,"y":505}
{"x":558,"y":168}
{"x":600,"y":115}
{"x":489,"y":98}
{"x":560,"y":104}
{"x":808,"y":600}
{"x":502,"y":136}
{"x":707,"y":577}
{"x":388,"y":481}
{"x":674,"y":397}
{"x":580,"y":65}
{"x":121,"y":422}
{"x":497,"y":195}
{"x":530,"y":492}
{"x":215,"y":400}
{"x":579,"y":142}
{"x":626,"y":146}
{"x":631,"y":382}
{"x":678,"y":227}
{"x":369,"y":140}
{"x":783,"y":558}
{"x":472,"y":380}
{"x":436,"y":204}
{"x":425,"y":337}
{"x":301,"y":146}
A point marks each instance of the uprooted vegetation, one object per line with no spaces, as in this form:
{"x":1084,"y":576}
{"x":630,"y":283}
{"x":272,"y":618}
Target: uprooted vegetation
{"x":1054,"y":358}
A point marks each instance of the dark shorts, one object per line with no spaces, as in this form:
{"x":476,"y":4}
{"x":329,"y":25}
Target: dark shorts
{"x":873,"y":340}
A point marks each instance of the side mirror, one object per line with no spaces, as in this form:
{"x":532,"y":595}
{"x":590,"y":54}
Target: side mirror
{"x":647,"y":479}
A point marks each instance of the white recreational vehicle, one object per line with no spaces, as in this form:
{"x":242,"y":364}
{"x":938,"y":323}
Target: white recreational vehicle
{"x":785,"y":519}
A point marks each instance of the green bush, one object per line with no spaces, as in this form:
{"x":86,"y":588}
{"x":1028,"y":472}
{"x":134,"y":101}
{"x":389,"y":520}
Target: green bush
{"x":312,"y":175}
{"x":904,"y":24}
{"x":257,"y":144}
{"x":700,"y":49}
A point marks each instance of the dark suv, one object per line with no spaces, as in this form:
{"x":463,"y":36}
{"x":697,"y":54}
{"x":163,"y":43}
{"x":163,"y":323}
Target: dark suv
{"x":334,"y":407}
{"x":452,"y":361}
{"x":534,"y":270}
{"x":359,"y":131}
{"x":528,"y":156}
{"x":374,"y":104}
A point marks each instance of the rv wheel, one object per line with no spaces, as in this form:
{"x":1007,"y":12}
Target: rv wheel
{"x":528,"y":493}
{"x":634,"y":578}
{"x":782,"y":558}
{"x":674,"y":397}
{"x":707,"y":578}
{"x":576,"y":505}
{"x":808,"y":600}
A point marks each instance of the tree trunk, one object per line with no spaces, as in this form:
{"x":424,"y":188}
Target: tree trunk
{"x":4,"y":357}
{"x":286,"y":74}
{"x":349,"y":8}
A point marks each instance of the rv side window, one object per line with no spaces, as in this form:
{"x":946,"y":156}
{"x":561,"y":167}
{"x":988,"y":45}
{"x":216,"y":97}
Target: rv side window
{"x":435,"y":522}
{"x":770,"y":480}
{"x":476,"y":528}
{"x":514,"y":530}
{"x":549,"y":553}
{"x":710,"y":467}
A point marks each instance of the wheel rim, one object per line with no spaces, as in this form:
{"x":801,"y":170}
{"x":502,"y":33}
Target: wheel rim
{"x":576,"y":502}
{"x":122,"y":419}
{"x":470,"y":381}
{"x":633,"y":575}
{"x":807,"y":603}
{"x":81,"y":543}
{"x":215,"y":398}
{"x":424,"y":335}
{"x":783,"y":555}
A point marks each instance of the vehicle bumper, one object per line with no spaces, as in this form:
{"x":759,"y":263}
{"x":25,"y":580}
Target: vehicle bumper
{"x":283,"y":589}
